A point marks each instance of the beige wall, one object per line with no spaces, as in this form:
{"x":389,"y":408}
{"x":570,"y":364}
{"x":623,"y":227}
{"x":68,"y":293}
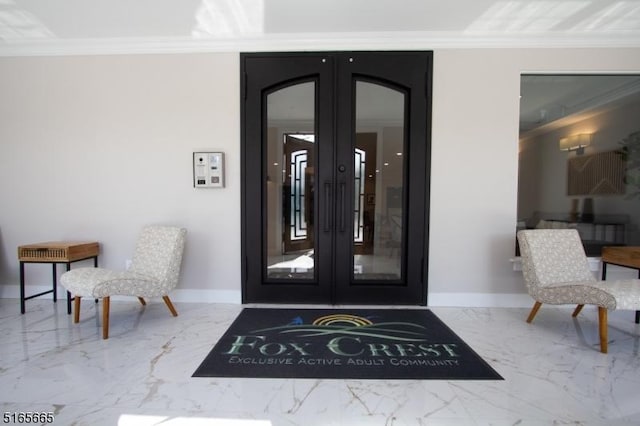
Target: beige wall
{"x":95,"y":147}
{"x":475,"y":158}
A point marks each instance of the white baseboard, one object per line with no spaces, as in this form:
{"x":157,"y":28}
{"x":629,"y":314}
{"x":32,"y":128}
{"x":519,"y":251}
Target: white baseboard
{"x":13,"y":291}
{"x":178,"y":295}
{"x":478,"y":300}
{"x":207,"y":296}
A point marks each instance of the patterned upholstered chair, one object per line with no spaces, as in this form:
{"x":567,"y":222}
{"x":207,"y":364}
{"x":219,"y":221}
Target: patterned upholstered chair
{"x":556,"y":271}
{"x":154,"y":272}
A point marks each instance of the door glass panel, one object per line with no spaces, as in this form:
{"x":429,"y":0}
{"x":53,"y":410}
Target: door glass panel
{"x":378,"y":183}
{"x":290,"y":185}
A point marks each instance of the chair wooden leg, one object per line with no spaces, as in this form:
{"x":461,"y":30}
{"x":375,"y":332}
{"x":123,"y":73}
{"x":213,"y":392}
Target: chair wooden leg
{"x":76,"y":309}
{"x":602,"y":324}
{"x":142,"y":301}
{"x":170,"y":305}
{"x":534,"y":311}
{"x":105,"y":317}
{"x":577,"y":310}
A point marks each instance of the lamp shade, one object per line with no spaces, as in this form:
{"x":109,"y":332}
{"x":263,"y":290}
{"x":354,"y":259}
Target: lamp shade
{"x":574,"y":142}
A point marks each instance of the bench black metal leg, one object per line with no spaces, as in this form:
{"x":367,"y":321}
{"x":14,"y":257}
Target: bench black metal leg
{"x":22,"y":304}
{"x":55,"y":282}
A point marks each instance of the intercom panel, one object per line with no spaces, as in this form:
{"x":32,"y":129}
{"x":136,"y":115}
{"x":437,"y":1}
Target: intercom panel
{"x":208,"y":170}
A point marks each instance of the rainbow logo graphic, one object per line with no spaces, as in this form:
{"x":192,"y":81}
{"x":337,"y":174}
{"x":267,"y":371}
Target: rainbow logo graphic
{"x":345,"y":324}
{"x":342,"y":319}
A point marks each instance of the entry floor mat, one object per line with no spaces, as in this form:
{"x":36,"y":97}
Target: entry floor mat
{"x":343,"y":344}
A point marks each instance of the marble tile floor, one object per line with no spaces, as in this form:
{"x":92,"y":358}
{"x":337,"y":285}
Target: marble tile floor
{"x":553,"y":370}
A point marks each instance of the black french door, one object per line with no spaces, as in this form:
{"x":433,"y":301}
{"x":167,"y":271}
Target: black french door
{"x":336,"y":159}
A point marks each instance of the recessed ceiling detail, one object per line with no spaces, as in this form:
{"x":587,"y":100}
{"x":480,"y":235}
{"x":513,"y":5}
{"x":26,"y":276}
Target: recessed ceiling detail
{"x":35,"y":27}
{"x":548,"y":101}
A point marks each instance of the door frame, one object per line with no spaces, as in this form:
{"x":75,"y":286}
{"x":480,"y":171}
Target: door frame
{"x":416,"y":164}
{"x":304,"y":69}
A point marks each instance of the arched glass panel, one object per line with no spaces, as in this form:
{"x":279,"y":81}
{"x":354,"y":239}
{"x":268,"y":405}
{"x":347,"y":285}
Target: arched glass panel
{"x":379,"y":182}
{"x":290,"y":182}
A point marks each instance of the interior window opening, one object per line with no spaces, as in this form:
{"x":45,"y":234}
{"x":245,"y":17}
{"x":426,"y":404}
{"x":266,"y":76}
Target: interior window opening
{"x":579,"y":157}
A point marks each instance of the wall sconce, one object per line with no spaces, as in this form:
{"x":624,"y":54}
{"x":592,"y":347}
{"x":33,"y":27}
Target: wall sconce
{"x":576,"y":143}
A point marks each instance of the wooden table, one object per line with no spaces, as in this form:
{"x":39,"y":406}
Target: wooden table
{"x":55,"y":252}
{"x":627,"y":256}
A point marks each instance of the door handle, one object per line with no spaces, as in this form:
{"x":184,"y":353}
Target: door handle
{"x":327,"y":207}
{"x":343,"y":186}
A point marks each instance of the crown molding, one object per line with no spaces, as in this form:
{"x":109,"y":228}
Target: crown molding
{"x":316,"y":42}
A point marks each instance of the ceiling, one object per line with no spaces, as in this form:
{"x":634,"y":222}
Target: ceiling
{"x":49,"y":27}
{"x":72,"y":27}
{"x":551,"y":101}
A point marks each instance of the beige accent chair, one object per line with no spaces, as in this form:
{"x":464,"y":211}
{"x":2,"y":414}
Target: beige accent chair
{"x":556,"y":271}
{"x":154,"y":271}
